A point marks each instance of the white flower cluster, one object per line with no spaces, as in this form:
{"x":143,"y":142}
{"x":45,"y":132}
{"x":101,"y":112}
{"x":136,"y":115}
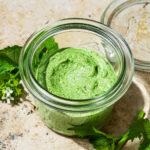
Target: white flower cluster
{"x":8,"y":96}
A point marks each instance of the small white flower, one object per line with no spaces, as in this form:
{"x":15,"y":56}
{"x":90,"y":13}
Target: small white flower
{"x":8,"y":91}
{"x":8,"y":99}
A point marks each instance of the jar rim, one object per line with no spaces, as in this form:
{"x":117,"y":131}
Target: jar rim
{"x":117,"y":6}
{"x":53,"y":100}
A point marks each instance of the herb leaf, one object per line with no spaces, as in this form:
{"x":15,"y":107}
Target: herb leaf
{"x":9,"y":58}
{"x":102,"y":141}
{"x":141,"y":129}
{"x":145,"y":145}
{"x":48,"y":47}
{"x":11,"y":53}
{"x":83,"y":130}
{"x":5,"y":65}
{"x":99,"y":139}
{"x":9,"y":74}
{"x":137,"y":129}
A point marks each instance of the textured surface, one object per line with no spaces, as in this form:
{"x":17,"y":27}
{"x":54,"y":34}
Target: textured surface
{"x":20,"y":126}
{"x":83,"y":74}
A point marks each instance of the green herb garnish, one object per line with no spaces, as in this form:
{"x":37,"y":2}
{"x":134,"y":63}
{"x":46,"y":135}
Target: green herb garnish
{"x":102,"y":141}
{"x":10,"y":88}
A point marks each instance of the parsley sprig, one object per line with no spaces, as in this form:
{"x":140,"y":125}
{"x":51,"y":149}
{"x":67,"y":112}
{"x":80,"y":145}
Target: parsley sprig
{"x":102,"y":141}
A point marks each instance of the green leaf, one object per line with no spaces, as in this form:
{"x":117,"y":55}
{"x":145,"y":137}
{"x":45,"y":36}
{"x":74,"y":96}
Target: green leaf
{"x":9,"y":58}
{"x":146,"y":127}
{"x":83,"y":130}
{"x":4,"y":76}
{"x":48,"y":47}
{"x":101,"y":143}
{"x":5,"y":65}
{"x":102,"y":140}
{"x":141,"y":129}
{"x":136,"y":129}
{"x":11,"y":53}
{"x":49,"y":43}
{"x":145,"y":145}
{"x":99,"y":139}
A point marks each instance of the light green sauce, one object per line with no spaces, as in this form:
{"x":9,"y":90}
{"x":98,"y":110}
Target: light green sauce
{"x":78,"y":74}
{"x":74,"y":74}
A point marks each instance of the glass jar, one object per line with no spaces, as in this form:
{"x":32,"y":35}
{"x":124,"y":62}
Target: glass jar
{"x":61,"y":115}
{"x":131,"y":18}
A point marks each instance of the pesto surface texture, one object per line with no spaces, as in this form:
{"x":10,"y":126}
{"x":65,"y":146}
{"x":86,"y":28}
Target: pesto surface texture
{"x":78,"y":74}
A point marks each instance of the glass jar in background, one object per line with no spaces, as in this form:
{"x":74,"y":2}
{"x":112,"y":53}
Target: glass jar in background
{"x":131,"y":18}
{"x":63,"y":114}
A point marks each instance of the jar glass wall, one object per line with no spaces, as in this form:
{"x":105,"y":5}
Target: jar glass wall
{"x":62,"y":114}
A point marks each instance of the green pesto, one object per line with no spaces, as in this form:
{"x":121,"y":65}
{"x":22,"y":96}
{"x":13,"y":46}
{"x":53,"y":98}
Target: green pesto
{"x":78,"y":74}
{"x":74,"y":74}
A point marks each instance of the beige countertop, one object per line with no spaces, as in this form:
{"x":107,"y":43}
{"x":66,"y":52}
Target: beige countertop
{"x":20,"y":126}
